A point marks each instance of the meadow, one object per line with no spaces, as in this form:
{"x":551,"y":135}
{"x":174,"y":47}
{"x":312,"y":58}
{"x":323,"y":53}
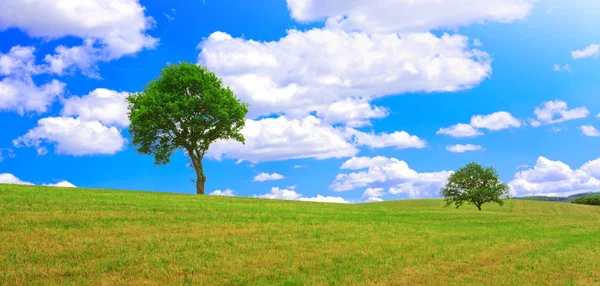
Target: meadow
{"x":82,"y":236}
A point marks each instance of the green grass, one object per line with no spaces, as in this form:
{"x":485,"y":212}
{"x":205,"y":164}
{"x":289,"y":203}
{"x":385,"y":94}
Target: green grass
{"x":77,"y":236}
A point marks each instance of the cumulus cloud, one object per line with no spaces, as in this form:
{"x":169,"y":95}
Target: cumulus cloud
{"x":557,"y":111}
{"x":556,"y":178}
{"x":292,"y":195}
{"x":263,"y":177}
{"x":311,"y":71}
{"x":62,"y":184}
{"x":391,"y":16}
{"x":398,"y":139}
{"x":225,"y":193}
{"x":109,"y":29}
{"x":373,"y":193}
{"x":273,"y":139}
{"x":493,"y":122}
{"x":591,"y":51}
{"x":7,"y":178}
{"x":73,"y":136}
{"x":460,"y":130}
{"x":460,"y":148}
{"x":381,"y":172}
{"x":104,"y":105}
{"x":18,"y":91}
{"x":590,"y":130}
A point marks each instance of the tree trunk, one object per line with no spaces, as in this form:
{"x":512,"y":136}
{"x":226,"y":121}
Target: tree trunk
{"x":479,"y":207}
{"x":200,"y":178}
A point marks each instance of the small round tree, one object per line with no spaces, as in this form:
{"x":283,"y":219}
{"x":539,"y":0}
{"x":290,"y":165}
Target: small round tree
{"x":475,"y":185}
{"x":186,"y":108}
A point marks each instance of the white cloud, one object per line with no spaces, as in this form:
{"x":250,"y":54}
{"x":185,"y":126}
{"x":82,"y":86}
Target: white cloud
{"x":590,"y":130}
{"x":337,"y":74}
{"x":522,"y":166}
{"x":273,"y":139}
{"x":591,"y":51}
{"x":292,"y":195}
{"x":110,"y":29}
{"x":106,"y":106}
{"x":326,"y":199}
{"x":73,"y":137}
{"x":373,"y":193}
{"x":460,"y":130}
{"x":225,"y":193}
{"x":563,"y":68}
{"x":556,"y":111}
{"x":62,"y":184}
{"x":459,"y":148}
{"x":352,"y":112}
{"x":556,"y":178}
{"x":18,"y":91}
{"x":263,"y":177}
{"x":390,"y":16}
{"x":7,"y":178}
{"x":373,"y":200}
{"x":398,"y":139}
{"x":494,"y":122}
{"x":389,"y":172}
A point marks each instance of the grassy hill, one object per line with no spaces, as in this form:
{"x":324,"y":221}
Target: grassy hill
{"x":78,"y":236}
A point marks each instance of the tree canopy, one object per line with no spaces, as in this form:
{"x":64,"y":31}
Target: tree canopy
{"x":475,"y":185}
{"x":186,"y":108}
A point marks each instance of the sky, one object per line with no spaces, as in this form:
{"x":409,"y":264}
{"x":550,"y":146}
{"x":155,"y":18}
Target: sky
{"x":350,"y":101}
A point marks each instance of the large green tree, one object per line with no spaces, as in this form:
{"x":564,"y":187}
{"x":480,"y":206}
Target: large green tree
{"x":186,"y":108}
{"x":475,"y":185}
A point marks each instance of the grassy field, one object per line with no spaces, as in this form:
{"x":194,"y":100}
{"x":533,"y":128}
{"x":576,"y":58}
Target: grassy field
{"x":78,"y":236}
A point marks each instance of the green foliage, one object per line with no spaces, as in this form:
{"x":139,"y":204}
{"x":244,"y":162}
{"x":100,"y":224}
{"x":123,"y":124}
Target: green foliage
{"x":558,"y":199}
{"x":186,"y":108}
{"x":592,"y":201}
{"x":475,"y":185}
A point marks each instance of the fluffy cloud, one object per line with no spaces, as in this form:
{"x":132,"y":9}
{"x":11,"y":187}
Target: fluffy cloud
{"x":556,"y":112}
{"x":273,"y":139}
{"x":7,"y":178}
{"x":460,"y":130}
{"x":556,"y":178}
{"x":285,"y":194}
{"x":110,"y":29}
{"x":459,"y":148}
{"x":73,"y":136}
{"x":225,"y":193}
{"x":591,"y":51}
{"x":373,"y":193}
{"x":389,"y":16}
{"x":590,"y":130}
{"x":263,"y":177}
{"x":313,"y":70}
{"x":398,"y":139}
{"x":106,"y":106}
{"x":389,"y":172}
{"x":494,"y":122}
{"x":62,"y":184}
{"x":18,"y":91}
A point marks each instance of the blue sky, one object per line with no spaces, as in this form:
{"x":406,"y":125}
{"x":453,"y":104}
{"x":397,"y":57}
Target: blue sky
{"x":349,"y":101}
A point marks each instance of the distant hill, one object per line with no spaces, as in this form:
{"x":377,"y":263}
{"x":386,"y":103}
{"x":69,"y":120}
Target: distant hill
{"x":558,"y":199}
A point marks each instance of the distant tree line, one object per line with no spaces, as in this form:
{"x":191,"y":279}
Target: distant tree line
{"x":591,"y":200}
